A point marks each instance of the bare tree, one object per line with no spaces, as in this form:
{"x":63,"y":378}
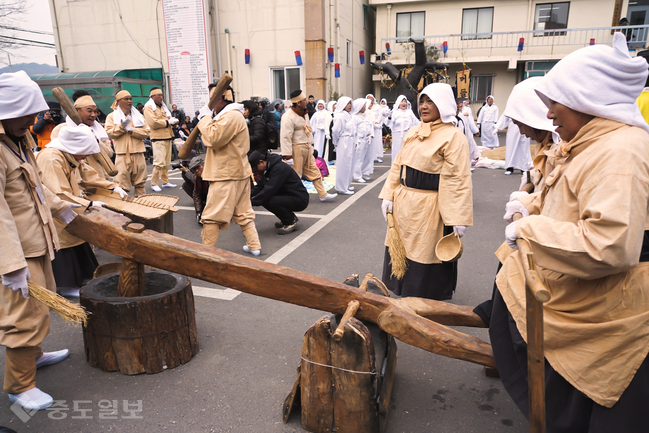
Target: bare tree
{"x":11,"y":12}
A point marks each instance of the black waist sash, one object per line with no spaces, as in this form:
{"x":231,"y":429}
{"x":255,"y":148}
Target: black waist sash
{"x":644,"y":252}
{"x":419,"y":180}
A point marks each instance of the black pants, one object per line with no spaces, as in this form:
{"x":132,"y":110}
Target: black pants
{"x":283,"y":206}
{"x":567,"y":409}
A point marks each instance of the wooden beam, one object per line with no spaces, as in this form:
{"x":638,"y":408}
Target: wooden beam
{"x":105,"y":229}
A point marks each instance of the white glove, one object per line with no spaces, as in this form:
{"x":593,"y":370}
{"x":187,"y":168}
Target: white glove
{"x":510,"y":235}
{"x":386,"y":207}
{"x":98,"y":203}
{"x":517,"y":194}
{"x":513,"y":207}
{"x":120,"y":191}
{"x":173,"y":121}
{"x":459,"y":231}
{"x":289,"y":161}
{"x":68,"y":215}
{"x":17,"y":280}
{"x":126,"y":121}
{"x":128,"y":128}
{"x":204,"y":111}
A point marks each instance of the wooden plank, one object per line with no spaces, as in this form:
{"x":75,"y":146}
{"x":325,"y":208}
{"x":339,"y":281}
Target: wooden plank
{"x":103,"y":228}
{"x":316,"y":380}
{"x":388,"y":382}
{"x":535,"y":363}
{"x":354,"y":376}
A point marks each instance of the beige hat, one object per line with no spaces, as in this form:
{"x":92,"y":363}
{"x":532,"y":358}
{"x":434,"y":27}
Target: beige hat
{"x":84,"y":101}
{"x":120,"y":95}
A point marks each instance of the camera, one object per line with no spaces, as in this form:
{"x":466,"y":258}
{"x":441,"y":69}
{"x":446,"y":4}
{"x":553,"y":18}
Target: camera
{"x":56,"y":116}
{"x":175,"y":166}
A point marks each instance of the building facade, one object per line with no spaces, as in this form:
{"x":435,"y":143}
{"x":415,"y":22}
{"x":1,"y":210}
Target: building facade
{"x":260,"y":43}
{"x":501,"y":42}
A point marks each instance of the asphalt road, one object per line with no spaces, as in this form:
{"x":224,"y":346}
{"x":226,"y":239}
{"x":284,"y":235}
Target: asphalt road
{"x":250,"y":346}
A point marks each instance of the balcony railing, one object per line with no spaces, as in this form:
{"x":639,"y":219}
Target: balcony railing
{"x":554,"y":42}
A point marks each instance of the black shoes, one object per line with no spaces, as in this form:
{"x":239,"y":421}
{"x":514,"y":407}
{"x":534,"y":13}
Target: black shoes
{"x":286,"y":229}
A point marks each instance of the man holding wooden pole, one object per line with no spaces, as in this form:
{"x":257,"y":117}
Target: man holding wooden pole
{"x":228,"y":171}
{"x":160,"y":121}
{"x":29,"y":239}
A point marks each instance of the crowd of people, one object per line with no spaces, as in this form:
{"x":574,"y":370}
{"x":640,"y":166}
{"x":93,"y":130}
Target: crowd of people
{"x":586,"y":219}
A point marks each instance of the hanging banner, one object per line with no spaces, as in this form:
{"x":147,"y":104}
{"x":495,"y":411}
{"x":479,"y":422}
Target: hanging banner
{"x":463,"y":80}
{"x":187,"y":53}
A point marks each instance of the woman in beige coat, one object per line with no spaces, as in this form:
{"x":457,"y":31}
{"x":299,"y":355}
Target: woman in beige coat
{"x":588,"y":231}
{"x":429,"y":193}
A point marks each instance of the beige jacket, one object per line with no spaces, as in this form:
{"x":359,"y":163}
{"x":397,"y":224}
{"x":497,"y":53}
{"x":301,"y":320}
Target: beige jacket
{"x":69,"y":179}
{"x":295,"y":129}
{"x":26,"y":224}
{"x":420,"y":216}
{"x":586,"y":244}
{"x":158,"y":124}
{"x":126,"y":143}
{"x":227,"y":143}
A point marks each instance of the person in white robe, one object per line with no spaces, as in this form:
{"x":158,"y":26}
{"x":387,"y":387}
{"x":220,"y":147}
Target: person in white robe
{"x":517,"y":154}
{"x":471,"y":129}
{"x":320,"y":124}
{"x":363,"y":137}
{"x":376,"y":114}
{"x":487,"y":121}
{"x":402,"y":119}
{"x":343,"y":136}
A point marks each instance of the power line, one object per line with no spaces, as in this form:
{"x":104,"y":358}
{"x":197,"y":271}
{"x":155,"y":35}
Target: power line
{"x":11,"y":38}
{"x":26,"y":31}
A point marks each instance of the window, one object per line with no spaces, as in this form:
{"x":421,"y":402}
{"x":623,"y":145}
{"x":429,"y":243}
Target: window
{"x":479,"y":20}
{"x":284,"y":80}
{"x":551,"y":16}
{"x":349,"y":53}
{"x":538,"y":68}
{"x":410,"y":24}
{"x":480,"y":87}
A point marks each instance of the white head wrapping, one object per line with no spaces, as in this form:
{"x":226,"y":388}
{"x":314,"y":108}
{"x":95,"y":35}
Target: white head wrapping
{"x":330,"y":105}
{"x":357,"y":105}
{"x":370,"y":95}
{"x":76,"y":140}
{"x":442,"y":96}
{"x":525,"y":106}
{"x":342,"y":103}
{"x":324,"y":106}
{"x":384,"y":101}
{"x":400,"y":98}
{"x":599,"y":80}
{"x":20,"y":96}
{"x":493,"y":100}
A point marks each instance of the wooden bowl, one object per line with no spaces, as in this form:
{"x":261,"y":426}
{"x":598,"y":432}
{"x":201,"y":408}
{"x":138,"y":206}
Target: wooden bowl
{"x":449,"y":248}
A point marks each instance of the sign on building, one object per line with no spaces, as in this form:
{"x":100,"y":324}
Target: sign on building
{"x":187,"y":53}
{"x":463,"y":80}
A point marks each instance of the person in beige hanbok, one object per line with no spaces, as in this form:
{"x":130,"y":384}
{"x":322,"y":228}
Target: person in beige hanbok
{"x":587,"y":229}
{"x":429,"y":193}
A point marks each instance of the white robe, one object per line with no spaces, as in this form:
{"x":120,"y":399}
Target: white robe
{"x":363,"y":162}
{"x":517,"y":154}
{"x":320,"y":124}
{"x":487,"y":120}
{"x":344,"y":137}
{"x":401,"y":122}
{"x":467,"y":117}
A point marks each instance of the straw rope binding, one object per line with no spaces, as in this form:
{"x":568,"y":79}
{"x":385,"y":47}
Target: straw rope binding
{"x":70,"y":312}
{"x":397,"y":250}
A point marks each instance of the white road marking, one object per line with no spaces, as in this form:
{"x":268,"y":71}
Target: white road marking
{"x":223,"y":294}
{"x":287,"y":249}
{"x":262,"y":212}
